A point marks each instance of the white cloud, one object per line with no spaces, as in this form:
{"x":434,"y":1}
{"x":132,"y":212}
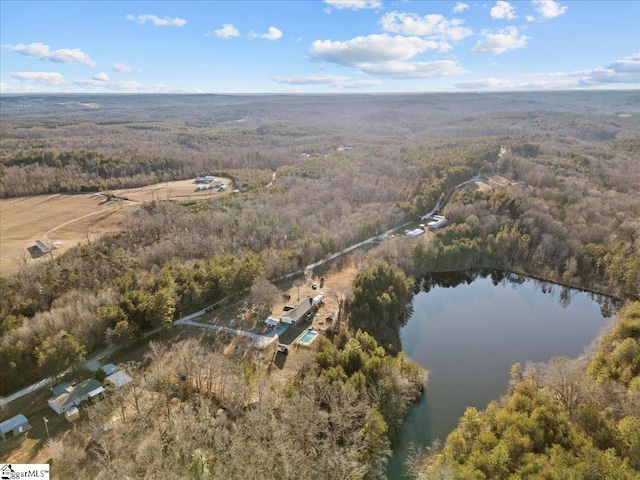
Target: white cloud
{"x":505,"y":39}
{"x":353,"y":4}
{"x":384,"y":56}
{"x":42,"y":51}
{"x":102,"y":81}
{"x":121,"y":68}
{"x":337,"y":81}
{"x":157,"y":21}
{"x":35,"y":82}
{"x":4,"y":88}
{"x":486,"y":84}
{"x":227,"y":31}
{"x":460,"y":7}
{"x":530,"y":18}
{"x":549,"y":8}
{"x":433,"y":27}
{"x":506,"y":84}
{"x":101,"y":77}
{"x":47,"y":78}
{"x":98,"y":85}
{"x":626,"y":70}
{"x":369,"y":50}
{"x":414,"y":70}
{"x":273,"y":34}
{"x":503,"y":10}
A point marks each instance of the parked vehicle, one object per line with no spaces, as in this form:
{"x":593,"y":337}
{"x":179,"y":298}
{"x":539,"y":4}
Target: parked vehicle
{"x":283,"y":348}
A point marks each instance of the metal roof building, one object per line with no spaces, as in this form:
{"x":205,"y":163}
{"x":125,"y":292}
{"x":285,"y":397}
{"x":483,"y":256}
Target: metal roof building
{"x":75,"y":395}
{"x":17,"y":425}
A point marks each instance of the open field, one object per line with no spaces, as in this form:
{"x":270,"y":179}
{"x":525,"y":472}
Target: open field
{"x":68,"y":219}
{"x":181,"y":190}
{"x":77,"y":218}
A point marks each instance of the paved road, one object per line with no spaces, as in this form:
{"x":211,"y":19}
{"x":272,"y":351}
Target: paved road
{"x":261,"y":341}
{"x":92,"y":363}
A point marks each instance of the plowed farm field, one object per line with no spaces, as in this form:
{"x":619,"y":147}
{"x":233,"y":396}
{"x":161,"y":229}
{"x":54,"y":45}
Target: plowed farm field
{"x":62,"y":221}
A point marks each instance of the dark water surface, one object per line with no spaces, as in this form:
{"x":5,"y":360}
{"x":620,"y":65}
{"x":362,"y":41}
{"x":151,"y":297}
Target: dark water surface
{"x":470,"y":332}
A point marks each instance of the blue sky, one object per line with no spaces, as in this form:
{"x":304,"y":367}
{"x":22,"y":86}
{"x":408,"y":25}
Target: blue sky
{"x":317,"y":46}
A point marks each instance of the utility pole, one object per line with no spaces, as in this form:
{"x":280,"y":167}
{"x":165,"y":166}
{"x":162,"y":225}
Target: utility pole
{"x":46,"y":425}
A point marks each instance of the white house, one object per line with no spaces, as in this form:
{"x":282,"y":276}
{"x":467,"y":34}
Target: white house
{"x":437,"y":221}
{"x":299,"y":312}
{"x":74,"y":395}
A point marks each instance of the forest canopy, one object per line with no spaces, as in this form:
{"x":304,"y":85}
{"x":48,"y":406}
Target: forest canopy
{"x":555,"y":196}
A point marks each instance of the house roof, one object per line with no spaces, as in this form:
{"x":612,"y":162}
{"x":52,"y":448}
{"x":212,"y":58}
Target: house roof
{"x":80,"y":390}
{"x":302,"y":307}
{"x":13,"y":422}
{"x":63,"y":387}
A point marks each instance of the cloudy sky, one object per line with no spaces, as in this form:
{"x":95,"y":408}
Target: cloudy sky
{"x":317,"y":46}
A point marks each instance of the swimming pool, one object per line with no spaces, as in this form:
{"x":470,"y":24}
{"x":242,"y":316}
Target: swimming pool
{"x":307,"y":338}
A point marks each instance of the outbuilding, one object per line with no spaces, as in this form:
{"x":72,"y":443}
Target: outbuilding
{"x":119,"y":378}
{"x":272,"y":322}
{"x":437,"y":222}
{"x":15,"y":425}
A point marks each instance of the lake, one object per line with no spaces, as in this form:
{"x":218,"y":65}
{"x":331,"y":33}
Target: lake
{"x":468,"y":328}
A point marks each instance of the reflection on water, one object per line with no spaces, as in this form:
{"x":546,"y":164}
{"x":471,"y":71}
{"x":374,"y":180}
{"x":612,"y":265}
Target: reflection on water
{"x":468,"y":328}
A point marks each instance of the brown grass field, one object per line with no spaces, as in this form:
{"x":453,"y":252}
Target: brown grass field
{"x":73,"y":219}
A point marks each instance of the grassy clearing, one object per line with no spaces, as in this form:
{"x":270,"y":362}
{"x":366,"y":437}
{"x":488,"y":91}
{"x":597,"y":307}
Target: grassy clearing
{"x":75,"y":218}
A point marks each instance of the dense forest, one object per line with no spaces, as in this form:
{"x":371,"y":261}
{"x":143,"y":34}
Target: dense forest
{"x":563,"y":205}
{"x":331,"y":422}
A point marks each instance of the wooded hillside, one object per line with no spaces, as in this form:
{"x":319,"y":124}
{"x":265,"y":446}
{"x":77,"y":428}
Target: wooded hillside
{"x":559,"y":200}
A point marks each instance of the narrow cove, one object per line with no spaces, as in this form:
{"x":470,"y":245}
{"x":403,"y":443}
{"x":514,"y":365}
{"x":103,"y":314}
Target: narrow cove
{"x":468,"y":328}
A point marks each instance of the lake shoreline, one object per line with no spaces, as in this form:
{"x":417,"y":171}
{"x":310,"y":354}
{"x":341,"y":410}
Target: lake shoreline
{"x":469,"y":342}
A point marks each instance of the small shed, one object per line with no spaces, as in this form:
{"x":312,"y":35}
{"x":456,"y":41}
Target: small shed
{"x":15,"y":425}
{"x":72,"y":415}
{"x":414,"y":233}
{"x":272,"y":322}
